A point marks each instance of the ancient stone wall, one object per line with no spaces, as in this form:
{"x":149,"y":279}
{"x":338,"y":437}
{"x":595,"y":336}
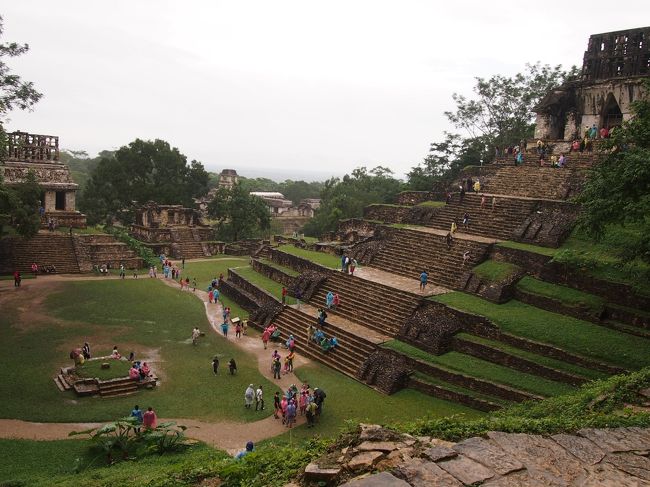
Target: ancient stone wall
{"x":386,"y":370}
{"x":296,"y":263}
{"x":273,"y":273}
{"x":431,"y":328}
{"x":549,"y":225}
{"x":387,"y":213}
{"x":260,"y":295}
{"x":355,"y":229}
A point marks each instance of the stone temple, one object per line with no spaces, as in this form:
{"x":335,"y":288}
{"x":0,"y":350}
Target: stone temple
{"x":613,"y":69}
{"x":40,"y":154}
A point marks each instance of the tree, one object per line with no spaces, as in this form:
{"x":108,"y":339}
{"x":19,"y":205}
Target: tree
{"x":347,"y":197}
{"x":140,"y":172}
{"x":18,"y":204}
{"x":618,"y":189}
{"x":238,"y":214}
{"x":500,"y":114}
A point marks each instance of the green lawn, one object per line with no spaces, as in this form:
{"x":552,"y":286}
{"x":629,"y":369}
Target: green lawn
{"x":93,"y":368}
{"x":46,"y":463}
{"x":432,"y":204}
{"x":533,"y":357}
{"x":348,"y":399}
{"x":144,"y":316}
{"x":327,"y":260}
{"x":566,"y":295}
{"x":287,"y":270}
{"x":495,"y":271}
{"x":569,"y":333}
{"x":528,"y":248}
{"x":260,"y":280}
{"x":482,"y":369}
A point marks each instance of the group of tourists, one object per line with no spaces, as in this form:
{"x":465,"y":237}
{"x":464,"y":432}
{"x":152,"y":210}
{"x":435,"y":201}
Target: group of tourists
{"x":326,"y":344}
{"x":139,"y":370}
{"x":332,"y":300}
{"x":232,"y":365}
{"x":251,"y":394}
{"x":348,"y":265}
{"x":303,"y":403}
{"x":148,"y":419}
{"x":276,"y":362}
{"x":270,"y":333}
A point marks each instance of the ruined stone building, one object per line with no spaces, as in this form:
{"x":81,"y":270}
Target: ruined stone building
{"x":289,"y":217}
{"x":39,"y":154}
{"x":614,"y":67}
{"x":228,"y":178}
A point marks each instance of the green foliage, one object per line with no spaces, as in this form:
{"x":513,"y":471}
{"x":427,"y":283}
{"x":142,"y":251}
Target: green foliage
{"x":618,"y":189}
{"x":140,"y":172}
{"x":598,"y":404}
{"x":147,"y":255}
{"x":81,"y":166}
{"x":322,"y":258}
{"x":347,"y":197}
{"x":238,"y":214}
{"x":19,"y":206}
{"x":566,"y":295}
{"x":495,"y":271}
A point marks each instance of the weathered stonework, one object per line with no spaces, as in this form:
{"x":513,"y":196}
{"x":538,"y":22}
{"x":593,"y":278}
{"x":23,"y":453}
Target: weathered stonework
{"x":431,"y":328}
{"x":386,"y":370}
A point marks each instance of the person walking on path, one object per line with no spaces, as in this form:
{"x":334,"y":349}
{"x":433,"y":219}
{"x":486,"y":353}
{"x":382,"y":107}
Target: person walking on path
{"x":232,"y":366}
{"x":224,"y":328}
{"x":215,"y":365}
{"x":137,"y":414}
{"x":291,"y":413}
{"x":249,"y":395}
{"x":259,"y":398}
{"x":149,"y":419}
{"x":183,"y":262}
{"x":277,"y":368}
{"x":424,"y":276}
{"x":276,"y":405}
{"x":238,"y":330}
{"x":265,"y":337}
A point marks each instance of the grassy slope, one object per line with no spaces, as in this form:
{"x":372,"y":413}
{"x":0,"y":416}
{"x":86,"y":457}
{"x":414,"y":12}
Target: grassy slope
{"x":566,"y":295}
{"x":93,"y":368}
{"x":286,"y":270}
{"x":494,"y":271}
{"x":327,"y":260}
{"x":571,"y":334}
{"x":260,"y":280}
{"x":481,"y":369}
{"x":135,"y":315}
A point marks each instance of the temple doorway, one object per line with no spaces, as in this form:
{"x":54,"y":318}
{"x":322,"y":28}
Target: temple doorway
{"x":612,"y":115}
{"x":59,"y":203}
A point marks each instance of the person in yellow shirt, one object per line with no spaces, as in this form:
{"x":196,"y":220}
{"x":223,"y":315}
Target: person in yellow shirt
{"x":454,"y":227}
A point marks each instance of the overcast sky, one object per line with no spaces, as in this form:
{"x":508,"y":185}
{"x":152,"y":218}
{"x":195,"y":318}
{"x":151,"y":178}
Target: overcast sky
{"x":286,"y":86}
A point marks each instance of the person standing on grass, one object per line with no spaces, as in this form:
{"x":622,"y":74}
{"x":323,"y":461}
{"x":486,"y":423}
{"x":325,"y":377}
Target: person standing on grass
{"x":86,"y":350}
{"x":310,"y":411}
{"x":194,"y":284}
{"x":149,"y":419}
{"x":249,"y":395}
{"x":196,"y":333}
{"x":183,"y":262}
{"x":424,"y":276}
{"x":259,"y":398}
{"x":137,"y":414}
{"x":284,"y":296}
{"x":215,"y":365}
{"x":122,"y":272}
{"x":232,"y":366}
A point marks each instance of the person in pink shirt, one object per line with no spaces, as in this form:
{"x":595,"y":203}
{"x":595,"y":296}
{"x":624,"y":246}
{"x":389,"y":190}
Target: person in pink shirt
{"x":149,"y":419}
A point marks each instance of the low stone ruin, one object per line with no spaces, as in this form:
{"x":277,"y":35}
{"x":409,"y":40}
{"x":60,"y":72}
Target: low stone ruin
{"x":431,"y":328}
{"x":388,"y":371}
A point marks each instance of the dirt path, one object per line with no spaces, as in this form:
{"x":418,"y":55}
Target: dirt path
{"x":226,"y":435}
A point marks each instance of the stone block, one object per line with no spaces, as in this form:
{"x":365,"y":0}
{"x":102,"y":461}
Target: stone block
{"x":419,"y":473}
{"x":315,"y":473}
{"x":364,"y":460}
{"x":383,"y":479}
{"x":466,"y":470}
{"x":385,"y":446}
{"x":489,"y":454}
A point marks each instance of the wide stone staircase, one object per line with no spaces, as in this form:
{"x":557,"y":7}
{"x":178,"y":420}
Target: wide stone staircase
{"x":45,"y":249}
{"x":373,"y":305}
{"x":408,"y":251}
{"x":105,"y":249}
{"x":529,"y":181}
{"x":347,"y":357}
{"x":189,"y":247}
{"x":499,"y":222}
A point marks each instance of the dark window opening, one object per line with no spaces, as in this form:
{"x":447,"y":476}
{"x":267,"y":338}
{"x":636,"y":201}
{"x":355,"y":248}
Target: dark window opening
{"x":60,"y":200}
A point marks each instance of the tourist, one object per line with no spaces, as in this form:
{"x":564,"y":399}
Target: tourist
{"x":449,"y":239}
{"x":195,"y":335}
{"x":224,"y":329}
{"x":448,"y":197}
{"x":541,"y":161}
{"x":291,"y":413}
{"x":319,"y":399}
{"x":187,"y":283}
{"x":284,"y":296}
{"x":298,"y":298}
{"x":115,"y":355}
{"x":232,"y":366}
{"x":290,"y":343}
{"x":302,"y":402}
{"x":461,"y":191}
{"x":322,"y":316}
{"x":483,"y":201}
{"x":575,"y":145}
{"x":265,"y":337}
{"x":347,"y":264}
{"x":329,"y":299}
{"x":132,"y":357}
{"x":134,"y":373}
{"x":86,"y":350}
{"x":145,"y":371}
{"x":561,"y":161}
{"x":259,"y":399}
{"x":122,"y":271}
{"x":249,"y":395}
{"x":17,"y":278}
{"x":238,"y":330}
{"x":194,"y":284}
{"x":137,"y":414}
{"x":215,"y":295}
{"x":244,"y":327}
{"x":333,"y":343}
{"x":181,"y":283}
{"x":343,"y":257}
{"x":34,"y":269}
{"x":150,"y":271}
{"x":494,"y":202}
{"x":183,"y":262}
{"x":593,"y":132}
{"x":477,"y":186}
{"x":215,"y":365}
{"x":243,"y":453}
{"x":353,"y":266}
{"x":276,"y":404}
{"x":424,"y":276}
{"x":290,"y":358}
{"x":454,"y":227}
{"x":519,"y":160}
{"x":465,"y":221}
{"x":336,"y":301}
{"x":466,"y":256}
{"x":149,"y":419}
{"x":540,"y":147}
{"x":311,"y":413}
{"x":277,"y":368}
{"x":470,"y":184}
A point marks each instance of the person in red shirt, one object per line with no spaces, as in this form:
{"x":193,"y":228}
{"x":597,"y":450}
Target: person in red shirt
{"x":604,"y":133}
{"x":284,"y":295}
{"x":149,"y":419}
